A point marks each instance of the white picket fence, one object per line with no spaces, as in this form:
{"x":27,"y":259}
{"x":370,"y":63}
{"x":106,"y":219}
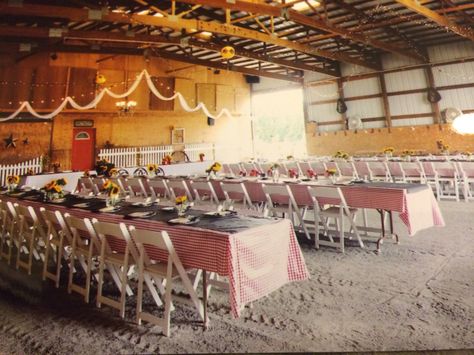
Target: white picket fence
{"x":140,"y":156}
{"x":154,"y":155}
{"x":35,"y":165}
{"x":193,"y":151}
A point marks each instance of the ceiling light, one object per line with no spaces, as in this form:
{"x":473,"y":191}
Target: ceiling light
{"x":158,"y":14}
{"x":305,"y":5}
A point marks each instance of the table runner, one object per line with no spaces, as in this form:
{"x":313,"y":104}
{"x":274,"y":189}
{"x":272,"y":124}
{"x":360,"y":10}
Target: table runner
{"x":258,"y":255}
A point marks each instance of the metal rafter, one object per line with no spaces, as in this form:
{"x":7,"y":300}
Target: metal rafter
{"x":439,"y":19}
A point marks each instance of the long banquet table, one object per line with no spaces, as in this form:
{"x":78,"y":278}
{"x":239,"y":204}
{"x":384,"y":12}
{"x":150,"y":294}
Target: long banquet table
{"x":415,"y":203}
{"x":258,"y":255}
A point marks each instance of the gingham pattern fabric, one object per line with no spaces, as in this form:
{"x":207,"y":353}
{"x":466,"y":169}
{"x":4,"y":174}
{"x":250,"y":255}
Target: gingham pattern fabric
{"x":257,"y":261}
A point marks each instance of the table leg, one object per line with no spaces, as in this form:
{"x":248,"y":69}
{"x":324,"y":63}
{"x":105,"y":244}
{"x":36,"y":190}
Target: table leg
{"x":204,"y":297}
{"x":380,"y":240}
{"x":391,"y":227}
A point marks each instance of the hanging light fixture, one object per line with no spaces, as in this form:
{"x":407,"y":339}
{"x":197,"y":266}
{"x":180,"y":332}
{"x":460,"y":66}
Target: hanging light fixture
{"x":126,"y":108}
{"x":464,"y":124}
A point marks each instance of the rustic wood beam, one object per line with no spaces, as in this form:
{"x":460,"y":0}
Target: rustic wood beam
{"x":439,"y":19}
{"x":311,"y":22}
{"x":100,"y":36}
{"x":80,"y":15}
{"x":434,"y":105}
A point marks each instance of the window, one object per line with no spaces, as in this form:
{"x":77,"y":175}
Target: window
{"x":82,"y":136}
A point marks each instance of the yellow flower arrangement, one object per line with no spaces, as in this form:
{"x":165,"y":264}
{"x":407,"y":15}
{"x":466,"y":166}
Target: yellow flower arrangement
{"x":12,"y":182}
{"x":341,"y":155}
{"x":181,"y":199}
{"x":214,"y":168}
{"x":152,"y":169}
{"x":13,"y":179}
{"x":111,"y":188}
{"x":54,"y":189}
{"x":331,"y":171}
{"x":387,"y":150}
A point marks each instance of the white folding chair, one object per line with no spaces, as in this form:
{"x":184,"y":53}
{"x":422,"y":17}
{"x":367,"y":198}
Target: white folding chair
{"x":413,"y":172}
{"x":136,"y":187}
{"x":97,"y":184}
{"x":56,"y":242}
{"x":86,"y":186}
{"x":204,"y":193}
{"x":329,"y":202}
{"x":236,"y":195}
{"x":318,"y":167}
{"x":431,"y":177}
{"x":362,"y":169}
{"x":158,"y":188}
{"x":178,"y":188}
{"x":117,"y":255}
{"x":85,"y":246}
{"x":396,"y":171}
{"x":466,"y":170}
{"x":379,"y":171}
{"x":154,"y":272}
{"x":280,"y":200}
{"x":448,"y":180}
{"x":31,"y":237}
{"x":346,"y":169}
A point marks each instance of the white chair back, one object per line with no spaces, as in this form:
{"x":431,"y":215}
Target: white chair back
{"x":158,"y":188}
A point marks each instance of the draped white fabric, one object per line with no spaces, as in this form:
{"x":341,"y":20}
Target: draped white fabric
{"x":144,"y":74}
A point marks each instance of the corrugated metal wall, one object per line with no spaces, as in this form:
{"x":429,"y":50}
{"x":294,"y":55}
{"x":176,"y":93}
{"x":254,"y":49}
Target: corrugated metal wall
{"x":410,"y":79}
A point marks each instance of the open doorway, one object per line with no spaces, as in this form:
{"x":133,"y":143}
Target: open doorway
{"x":278,"y":124}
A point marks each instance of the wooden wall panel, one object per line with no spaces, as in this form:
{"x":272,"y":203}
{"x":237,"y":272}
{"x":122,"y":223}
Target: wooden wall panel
{"x":82,"y":85}
{"x":49,"y":87}
{"x":187,"y":88}
{"x":115,"y":81}
{"x":165,"y":86}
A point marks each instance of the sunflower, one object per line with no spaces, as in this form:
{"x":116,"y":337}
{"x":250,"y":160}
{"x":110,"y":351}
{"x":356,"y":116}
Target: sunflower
{"x":13,"y":179}
{"x":57,"y":188}
{"x":114,"y":190}
{"x":61,"y":182}
{"x":331,"y":171}
{"x":181,"y":199}
{"x":107,"y":185}
{"x":152,"y":168}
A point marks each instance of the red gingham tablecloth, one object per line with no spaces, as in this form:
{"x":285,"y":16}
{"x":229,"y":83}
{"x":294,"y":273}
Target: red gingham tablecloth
{"x":417,"y":209}
{"x":257,"y":261}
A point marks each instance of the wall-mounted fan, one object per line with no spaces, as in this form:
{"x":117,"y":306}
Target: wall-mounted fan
{"x":450,"y":113}
{"x":354,"y":122}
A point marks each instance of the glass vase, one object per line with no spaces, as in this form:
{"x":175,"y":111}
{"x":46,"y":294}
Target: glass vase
{"x":275,"y":175}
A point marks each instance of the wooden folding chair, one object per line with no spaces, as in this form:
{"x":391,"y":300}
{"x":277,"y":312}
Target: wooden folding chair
{"x":116,"y":248}
{"x":9,"y":230}
{"x":136,"y":187}
{"x":57,"y":239}
{"x":154,"y":273}
{"x":31,"y":237}
{"x":85,"y":246}
{"x":336,"y":208}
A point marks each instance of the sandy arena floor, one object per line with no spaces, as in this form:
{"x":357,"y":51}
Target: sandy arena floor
{"x":418,"y":295}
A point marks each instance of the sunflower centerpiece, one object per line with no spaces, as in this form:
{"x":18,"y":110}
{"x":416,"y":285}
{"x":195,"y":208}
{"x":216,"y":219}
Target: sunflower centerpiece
{"x":213,"y":170}
{"x":331,"y":173}
{"x":166,"y":160}
{"x":152,"y":169}
{"x":12,"y":182}
{"x":104,"y":167}
{"x":113,"y":191}
{"x":54,"y":189}
{"x":388,"y":151}
{"x":181,"y":205}
{"x":274,"y":172}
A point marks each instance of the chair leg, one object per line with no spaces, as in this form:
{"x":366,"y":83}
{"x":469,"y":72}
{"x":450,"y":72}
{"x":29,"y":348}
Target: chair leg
{"x":140,"y":294}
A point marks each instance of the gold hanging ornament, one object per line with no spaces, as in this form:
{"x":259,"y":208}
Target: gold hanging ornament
{"x":100,"y":79}
{"x":227,"y":52}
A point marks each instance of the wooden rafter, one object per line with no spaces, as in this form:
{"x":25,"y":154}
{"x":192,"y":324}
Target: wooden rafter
{"x":310,"y":22}
{"x":439,"y":19}
{"x":78,"y":15}
{"x":152,"y":40}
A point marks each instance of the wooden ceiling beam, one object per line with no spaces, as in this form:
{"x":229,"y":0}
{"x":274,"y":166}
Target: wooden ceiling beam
{"x":268,"y":10}
{"x":439,"y":19}
{"x":79,"y":15}
{"x":109,"y":37}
